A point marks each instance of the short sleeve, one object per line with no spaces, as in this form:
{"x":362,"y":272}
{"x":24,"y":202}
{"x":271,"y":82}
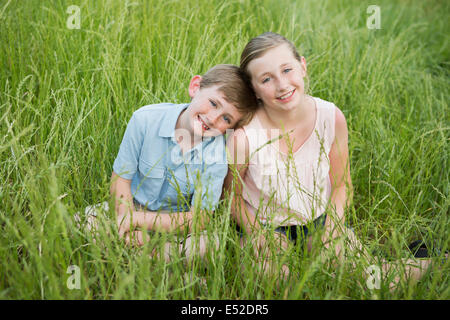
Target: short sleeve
{"x":211,"y":186}
{"x":213,"y":176}
{"x":126,"y":163}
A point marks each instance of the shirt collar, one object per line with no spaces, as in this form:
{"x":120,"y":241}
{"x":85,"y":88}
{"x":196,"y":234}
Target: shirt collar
{"x":167,"y":128}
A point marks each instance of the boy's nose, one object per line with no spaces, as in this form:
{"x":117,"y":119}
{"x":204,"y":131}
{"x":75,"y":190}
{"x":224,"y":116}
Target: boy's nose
{"x":214,"y":116}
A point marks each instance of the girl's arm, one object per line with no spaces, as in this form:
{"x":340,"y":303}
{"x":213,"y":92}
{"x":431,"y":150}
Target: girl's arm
{"x":238,"y":146}
{"x":341,"y":184}
{"x":238,"y":166}
{"x":128,"y":217}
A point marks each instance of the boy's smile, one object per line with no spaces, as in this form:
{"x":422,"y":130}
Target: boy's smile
{"x":205,"y":127}
{"x":209,"y":114}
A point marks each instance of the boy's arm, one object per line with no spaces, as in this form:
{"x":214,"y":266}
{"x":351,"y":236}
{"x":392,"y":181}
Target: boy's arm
{"x":161,"y":222}
{"x":126,"y":165}
{"x":128,"y":217}
{"x":167,"y":222}
{"x":120,"y":190}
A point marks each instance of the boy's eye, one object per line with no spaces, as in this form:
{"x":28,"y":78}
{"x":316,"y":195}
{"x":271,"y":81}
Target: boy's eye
{"x":227,"y":120}
{"x":213,"y":103}
{"x":287,"y":70}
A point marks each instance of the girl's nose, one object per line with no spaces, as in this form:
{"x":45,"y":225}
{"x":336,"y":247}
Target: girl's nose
{"x":282,"y":84}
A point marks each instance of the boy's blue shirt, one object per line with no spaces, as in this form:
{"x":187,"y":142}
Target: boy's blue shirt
{"x":161,"y":177}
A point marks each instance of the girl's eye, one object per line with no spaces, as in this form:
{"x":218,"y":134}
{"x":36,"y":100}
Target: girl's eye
{"x":213,"y":103}
{"x":265,"y":80}
{"x":287,"y":70}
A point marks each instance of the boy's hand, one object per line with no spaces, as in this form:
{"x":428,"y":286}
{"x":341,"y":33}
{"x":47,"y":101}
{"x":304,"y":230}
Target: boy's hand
{"x":124,"y":223}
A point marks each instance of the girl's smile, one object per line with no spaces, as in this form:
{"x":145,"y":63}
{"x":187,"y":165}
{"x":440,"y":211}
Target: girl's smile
{"x":286,"y":97}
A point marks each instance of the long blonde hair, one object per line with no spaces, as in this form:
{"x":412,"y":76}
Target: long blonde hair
{"x":257,"y":46}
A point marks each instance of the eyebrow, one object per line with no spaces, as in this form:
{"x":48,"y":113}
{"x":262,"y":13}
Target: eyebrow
{"x":264,"y":74}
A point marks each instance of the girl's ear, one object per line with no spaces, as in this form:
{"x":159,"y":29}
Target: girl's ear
{"x":303,"y":64}
{"x":194,"y":85}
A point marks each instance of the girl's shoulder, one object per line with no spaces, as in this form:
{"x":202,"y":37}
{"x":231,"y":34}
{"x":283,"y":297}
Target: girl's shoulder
{"x":237,"y":138}
{"x":238,"y":146}
{"x":330,"y":111}
{"x":326,"y":110}
{"x":332,"y":121}
{"x":330,"y":106}
{"x":324,"y":104}
{"x":335,"y":117}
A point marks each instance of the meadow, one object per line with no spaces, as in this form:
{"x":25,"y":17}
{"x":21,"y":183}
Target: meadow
{"x":67,"y":94}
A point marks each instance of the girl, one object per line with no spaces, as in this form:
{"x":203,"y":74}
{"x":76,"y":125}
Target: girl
{"x":292,"y":158}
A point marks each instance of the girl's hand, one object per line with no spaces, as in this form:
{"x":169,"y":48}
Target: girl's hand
{"x":263,"y":246}
{"x":136,"y":238}
{"x":281,"y":240}
{"x":260,"y":245}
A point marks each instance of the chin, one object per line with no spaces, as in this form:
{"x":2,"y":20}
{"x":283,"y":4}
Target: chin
{"x":284,"y":107}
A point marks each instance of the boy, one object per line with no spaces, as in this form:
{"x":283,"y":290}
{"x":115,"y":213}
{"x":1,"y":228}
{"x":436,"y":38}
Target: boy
{"x":164,"y":162}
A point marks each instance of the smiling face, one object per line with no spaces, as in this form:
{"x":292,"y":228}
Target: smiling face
{"x":277,"y":78}
{"x":209,"y":113}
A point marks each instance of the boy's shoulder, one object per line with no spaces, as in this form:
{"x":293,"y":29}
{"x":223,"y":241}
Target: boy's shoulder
{"x":156,"y":109}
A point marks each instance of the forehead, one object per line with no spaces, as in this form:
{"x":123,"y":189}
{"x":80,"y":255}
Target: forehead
{"x":271,"y":60}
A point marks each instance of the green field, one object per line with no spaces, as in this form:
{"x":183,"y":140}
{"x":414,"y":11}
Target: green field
{"x":66,"y":96}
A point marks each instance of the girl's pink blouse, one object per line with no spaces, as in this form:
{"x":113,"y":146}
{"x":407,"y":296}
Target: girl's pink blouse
{"x":293,"y":190}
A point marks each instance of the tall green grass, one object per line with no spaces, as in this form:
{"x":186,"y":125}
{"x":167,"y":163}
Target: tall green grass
{"x":67,"y":95}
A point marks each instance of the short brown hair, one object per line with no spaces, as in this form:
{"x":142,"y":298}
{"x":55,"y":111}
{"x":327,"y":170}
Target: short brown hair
{"x":257,"y":46}
{"x":235,"y":86}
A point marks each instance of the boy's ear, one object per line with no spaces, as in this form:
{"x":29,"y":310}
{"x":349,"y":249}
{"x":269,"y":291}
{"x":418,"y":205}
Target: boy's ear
{"x":194,"y":85}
